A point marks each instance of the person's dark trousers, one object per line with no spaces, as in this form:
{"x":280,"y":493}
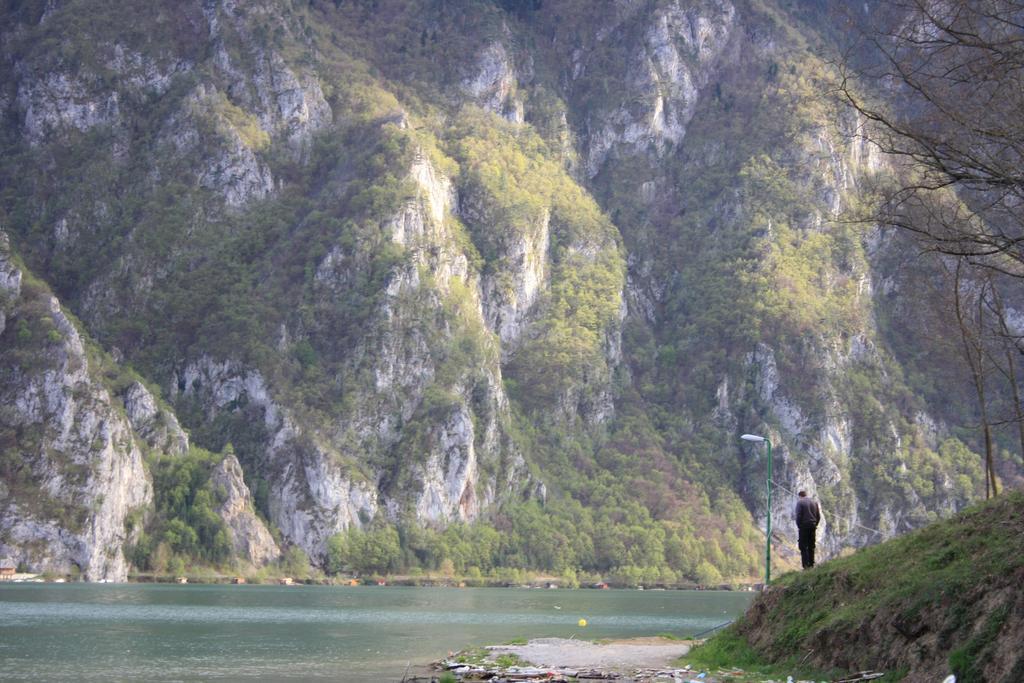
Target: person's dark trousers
{"x":806,"y":543}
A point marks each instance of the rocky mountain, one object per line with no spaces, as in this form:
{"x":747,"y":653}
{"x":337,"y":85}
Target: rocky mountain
{"x":72,"y":465}
{"x":452,"y":268}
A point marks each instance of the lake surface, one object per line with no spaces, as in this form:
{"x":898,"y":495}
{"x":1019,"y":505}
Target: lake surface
{"x":171,"y":632}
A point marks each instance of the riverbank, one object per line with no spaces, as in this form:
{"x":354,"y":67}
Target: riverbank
{"x":539,"y":581}
{"x":948,"y":598}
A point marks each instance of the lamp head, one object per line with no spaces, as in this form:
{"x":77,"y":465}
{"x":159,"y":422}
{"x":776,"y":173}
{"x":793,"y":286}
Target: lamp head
{"x":752,"y":437}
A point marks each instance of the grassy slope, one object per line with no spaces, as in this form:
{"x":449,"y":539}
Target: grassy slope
{"x":946,"y":598}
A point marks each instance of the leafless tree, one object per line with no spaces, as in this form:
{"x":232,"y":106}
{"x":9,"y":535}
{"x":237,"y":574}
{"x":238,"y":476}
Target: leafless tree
{"x":1009,"y":346}
{"x":970,"y":317}
{"x":940,"y":87}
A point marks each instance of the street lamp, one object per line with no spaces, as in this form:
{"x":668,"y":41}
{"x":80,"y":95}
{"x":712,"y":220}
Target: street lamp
{"x":768,"y":524}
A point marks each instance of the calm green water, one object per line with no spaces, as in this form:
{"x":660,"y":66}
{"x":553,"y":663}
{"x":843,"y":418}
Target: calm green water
{"x":157,"y":632}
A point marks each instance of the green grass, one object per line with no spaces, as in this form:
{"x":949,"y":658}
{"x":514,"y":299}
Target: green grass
{"x":481,"y":657}
{"x":730,"y":651}
{"x":964,"y":660}
{"x":508,"y":660}
{"x":866,"y":609}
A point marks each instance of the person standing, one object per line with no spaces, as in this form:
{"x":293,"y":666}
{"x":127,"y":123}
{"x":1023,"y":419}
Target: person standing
{"x":808,"y":515}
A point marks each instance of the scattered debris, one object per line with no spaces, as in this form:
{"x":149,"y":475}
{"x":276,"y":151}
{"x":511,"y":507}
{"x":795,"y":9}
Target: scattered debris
{"x":861,"y":676}
{"x":534,"y":663}
{"x":495,"y":673}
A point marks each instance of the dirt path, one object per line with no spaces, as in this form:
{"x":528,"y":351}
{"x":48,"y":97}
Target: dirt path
{"x":636,"y":653}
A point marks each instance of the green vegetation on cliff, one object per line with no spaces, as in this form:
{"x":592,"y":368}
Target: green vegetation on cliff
{"x":185,"y":529}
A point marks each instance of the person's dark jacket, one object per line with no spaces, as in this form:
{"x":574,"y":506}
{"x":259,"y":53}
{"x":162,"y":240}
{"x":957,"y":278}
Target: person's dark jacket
{"x":808,"y":514}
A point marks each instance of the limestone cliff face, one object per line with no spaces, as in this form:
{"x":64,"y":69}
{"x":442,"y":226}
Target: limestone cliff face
{"x":73,"y":471}
{"x":155,"y":423}
{"x":233,"y":167}
{"x":510,"y":292}
{"x":10,"y":281}
{"x":313,"y":495}
{"x":492,"y":85}
{"x":326,"y":476}
{"x":249,"y":536}
{"x":827,"y":442}
{"x":472,"y":423}
{"x":59,"y":102}
{"x":422,"y":436}
{"x":287,"y":99}
{"x":666,"y":69}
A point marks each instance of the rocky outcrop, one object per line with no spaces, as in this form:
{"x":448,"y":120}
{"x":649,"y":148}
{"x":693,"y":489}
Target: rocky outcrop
{"x":58,"y":102}
{"x":492,"y":86}
{"x":232,"y":165}
{"x":72,"y":470}
{"x":421,"y":227}
{"x":793,"y":387}
{"x":374,"y":297}
{"x":10,"y":281}
{"x":327,"y":477}
{"x":249,"y":535}
{"x":314,"y":494}
{"x":288,"y":101}
{"x":291,"y":104}
{"x":511,"y":291}
{"x":668,"y":68}
{"x":155,"y":423}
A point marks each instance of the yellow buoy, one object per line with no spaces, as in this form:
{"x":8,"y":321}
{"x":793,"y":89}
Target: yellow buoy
{"x":582,"y":622}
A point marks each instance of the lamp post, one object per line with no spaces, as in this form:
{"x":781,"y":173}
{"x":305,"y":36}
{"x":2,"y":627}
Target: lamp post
{"x":768,"y":523}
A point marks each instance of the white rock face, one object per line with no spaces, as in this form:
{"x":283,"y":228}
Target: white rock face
{"x":287,"y":100}
{"x":10,"y":281}
{"x":238,"y":175}
{"x":404,"y":366}
{"x":229,"y":167}
{"x":83,"y":472}
{"x":816,"y":453}
{"x":787,"y":411}
{"x":674,"y":61}
{"x":142,"y":73}
{"x":312,"y":496}
{"x":60,"y":100}
{"x":493,"y":83}
{"x":233,"y":169}
{"x":291,"y":104}
{"x":249,"y":535}
{"x":509,"y":295}
{"x":316,"y":497}
{"x":450,"y":475}
{"x":156,"y":425}
{"x":57,"y":101}
{"x":420,"y":227}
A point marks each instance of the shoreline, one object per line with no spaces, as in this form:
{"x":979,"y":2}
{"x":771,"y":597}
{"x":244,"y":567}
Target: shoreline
{"x":540,"y":583}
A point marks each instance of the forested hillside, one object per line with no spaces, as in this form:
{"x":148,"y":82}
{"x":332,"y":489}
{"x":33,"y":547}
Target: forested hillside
{"x":389,"y":285}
